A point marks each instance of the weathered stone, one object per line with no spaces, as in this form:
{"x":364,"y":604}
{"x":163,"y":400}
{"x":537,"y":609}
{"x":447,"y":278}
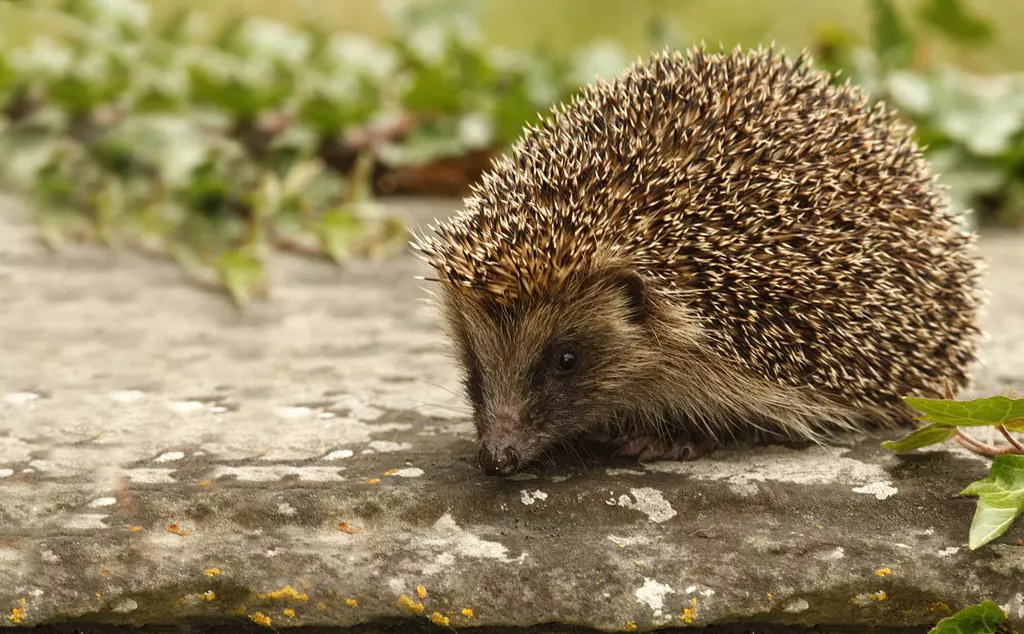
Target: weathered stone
{"x":164,"y":457}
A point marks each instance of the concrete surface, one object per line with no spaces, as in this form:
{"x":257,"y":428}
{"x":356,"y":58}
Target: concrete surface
{"x":164,"y":458}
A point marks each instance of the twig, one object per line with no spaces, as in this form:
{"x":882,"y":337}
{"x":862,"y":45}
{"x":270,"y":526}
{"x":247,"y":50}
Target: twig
{"x":1009,"y":437}
{"x":977,"y":446}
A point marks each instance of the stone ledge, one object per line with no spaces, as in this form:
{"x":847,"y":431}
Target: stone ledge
{"x":166,"y":460}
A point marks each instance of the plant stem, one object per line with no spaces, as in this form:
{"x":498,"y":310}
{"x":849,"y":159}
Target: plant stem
{"x":1009,"y":437}
{"x":977,"y":446}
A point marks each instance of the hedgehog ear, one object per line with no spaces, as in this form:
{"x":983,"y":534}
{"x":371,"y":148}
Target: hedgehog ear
{"x":634,"y":287}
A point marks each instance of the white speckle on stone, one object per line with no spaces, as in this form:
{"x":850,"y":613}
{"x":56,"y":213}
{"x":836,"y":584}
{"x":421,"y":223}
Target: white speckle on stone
{"x":377,"y":428}
{"x":881,"y":490}
{"x":447,"y":539}
{"x":653,"y":594}
{"x":628,"y":541}
{"x":293,"y":412}
{"x":691,"y":589}
{"x":707,"y":593}
{"x":831,"y":555}
{"x":6,"y":473}
{"x":20,"y":398}
{"x":903,"y":546}
{"x":648,"y":501}
{"x":49,"y":557}
{"x":559,"y":478}
{"x":101,"y":502}
{"x":326,"y":415}
{"x":36,"y":592}
{"x":795,"y":607}
{"x":270,"y":554}
{"x":125,"y":605}
{"x":273,"y":473}
{"x":185,"y":407}
{"x":529,"y":498}
{"x":408,"y":472}
{"x":87,"y":521}
{"x":620,"y":472}
{"x":819,"y":465}
{"x":386,"y":446}
{"x":397,"y":586}
{"x":170,"y":456}
{"x":151,"y":476}
{"x":218,"y":409}
{"x":127,"y":396}
{"x":946,"y":552}
{"x":366,"y":451}
{"x":285,"y":509}
{"x":930,"y":531}
{"x":339,"y":454}
{"x":1015,"y":606}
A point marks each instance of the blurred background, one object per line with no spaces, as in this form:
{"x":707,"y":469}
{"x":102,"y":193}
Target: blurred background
{"x":219,"y":133}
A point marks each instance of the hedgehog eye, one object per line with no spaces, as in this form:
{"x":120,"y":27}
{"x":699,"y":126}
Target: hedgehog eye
{"x":566,"y":361}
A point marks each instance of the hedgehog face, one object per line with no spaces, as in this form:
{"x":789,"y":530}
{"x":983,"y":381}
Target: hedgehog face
{"x":544,"y":371}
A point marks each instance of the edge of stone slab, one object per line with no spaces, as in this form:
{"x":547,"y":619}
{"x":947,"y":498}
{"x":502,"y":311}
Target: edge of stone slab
{"x":421,"y":625}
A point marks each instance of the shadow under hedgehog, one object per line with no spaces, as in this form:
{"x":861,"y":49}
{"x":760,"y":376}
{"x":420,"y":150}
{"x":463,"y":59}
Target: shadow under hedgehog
{"x":711,"y":247}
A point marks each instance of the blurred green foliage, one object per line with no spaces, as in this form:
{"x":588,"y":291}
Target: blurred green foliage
{"x":218,"y":147}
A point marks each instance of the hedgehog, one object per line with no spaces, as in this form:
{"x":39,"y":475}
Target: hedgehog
{"x":712,"y":247}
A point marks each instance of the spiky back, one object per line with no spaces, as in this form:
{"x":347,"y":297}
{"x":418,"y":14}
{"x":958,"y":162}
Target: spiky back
{"x":799,"y":222}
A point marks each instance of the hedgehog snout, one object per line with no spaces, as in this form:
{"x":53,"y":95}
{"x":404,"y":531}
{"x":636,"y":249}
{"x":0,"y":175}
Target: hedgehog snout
{"x":498,"y":457}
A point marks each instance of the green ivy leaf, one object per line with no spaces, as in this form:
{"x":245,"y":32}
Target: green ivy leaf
{"x":992,"y":410}
{"x":952,"y":18}
{"x":1000,"y":499}
{"x":337,"y":230}
{"x":244,"y":275}
{"x":894,"y":44}
{"x":984,"y":618}
{"x":931,"y":435}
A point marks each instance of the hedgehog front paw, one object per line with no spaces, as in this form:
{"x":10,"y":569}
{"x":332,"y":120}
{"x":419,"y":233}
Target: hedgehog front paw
{"x":652,"y":448}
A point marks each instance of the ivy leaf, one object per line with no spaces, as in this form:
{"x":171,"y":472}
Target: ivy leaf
{"x":1000,"y":499}
{"x":984,"y":618}
{"x":992,"y":410}
{"x":894,"y":44}
{"x":931,"y":435}
{"x":951,"y":17}
{"x":243,"y":275}
{"x":337,"y":230}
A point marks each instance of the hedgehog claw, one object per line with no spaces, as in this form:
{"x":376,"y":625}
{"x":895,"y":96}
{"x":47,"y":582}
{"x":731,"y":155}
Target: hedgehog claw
{"x":654,"y":448}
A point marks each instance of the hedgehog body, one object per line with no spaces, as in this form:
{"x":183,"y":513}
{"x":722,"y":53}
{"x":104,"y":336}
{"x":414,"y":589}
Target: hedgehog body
{"x":710,"y":246}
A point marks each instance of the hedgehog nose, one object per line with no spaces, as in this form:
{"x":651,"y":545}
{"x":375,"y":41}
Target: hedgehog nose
{"x":498,"y":458}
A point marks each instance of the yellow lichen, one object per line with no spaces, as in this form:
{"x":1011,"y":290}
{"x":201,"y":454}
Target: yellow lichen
{"x":135,"y":529}
{"x":391,"y":472}
{"x":352,"y":603}
{"x":879,"y":596}
{"x":881,"y":572}
{"x":290,"y":613}
{"x":18,"y":613}
{"x":261,"y":619}
{"x":938,"y":606}
{"x":439,"y":619}
{"x":286,"y":592}
{"x":211,"y":572}
{"x":407,"y":603}
{"x":466,"y":612}
{"x":629,"y":627}
{"x":209,"y":595}
{"x":421,"y":592}
{"x":689,"y":613}
{"x":373,"y":481}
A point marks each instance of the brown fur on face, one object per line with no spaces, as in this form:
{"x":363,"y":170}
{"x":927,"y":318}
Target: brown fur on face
{"x":510,"y":358}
